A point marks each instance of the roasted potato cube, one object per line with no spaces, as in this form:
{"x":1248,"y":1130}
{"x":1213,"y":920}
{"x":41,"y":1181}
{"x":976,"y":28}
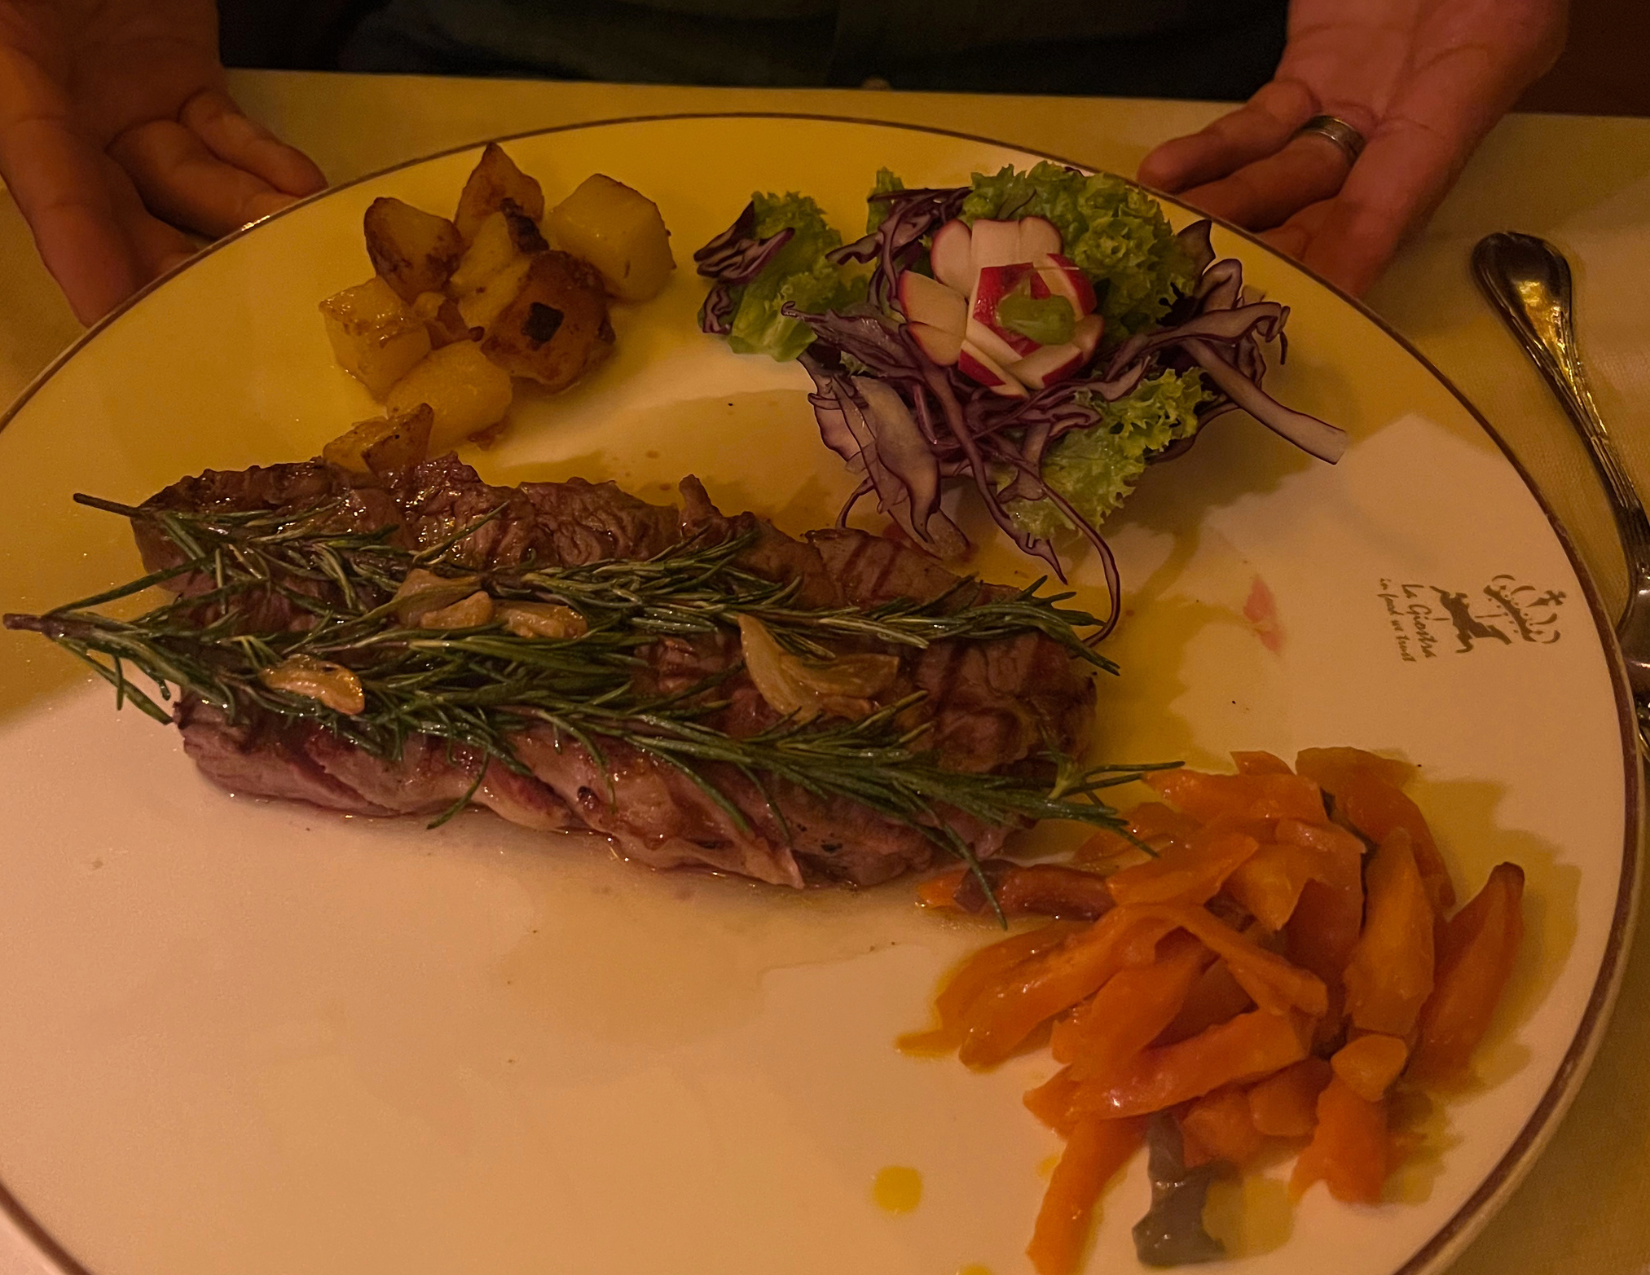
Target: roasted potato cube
{"x":441,"y":317}
{"x":412,"y":250}
{"x":385,"y":443}
{"x":556,"y":329}
{"x":491,"y":251}
{"x":478,"y":309}
{"x":620,"y":232}
{"x":464,"y":389}
{"x":495,"y":179}
{"x":374,"y":333}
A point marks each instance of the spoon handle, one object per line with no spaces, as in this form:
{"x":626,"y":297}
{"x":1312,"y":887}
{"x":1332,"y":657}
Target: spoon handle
{"x":1529,"y":282}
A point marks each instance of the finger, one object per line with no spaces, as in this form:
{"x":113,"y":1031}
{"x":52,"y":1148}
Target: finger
{"x":54,"y":176}
{"x":1397,"y":182}
{"x":1296,"y":235}
{"x":1256,"y":129}
{"x":184,"y":182}
{"x":1269,"y":191}
{"x":243,"y":143}
{"x":155,"y":246}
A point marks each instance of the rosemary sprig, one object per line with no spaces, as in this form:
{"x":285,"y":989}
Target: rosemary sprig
{"x":268,"y":585}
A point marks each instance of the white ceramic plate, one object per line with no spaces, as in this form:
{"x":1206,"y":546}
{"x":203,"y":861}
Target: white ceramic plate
{"x":249,"y":1036}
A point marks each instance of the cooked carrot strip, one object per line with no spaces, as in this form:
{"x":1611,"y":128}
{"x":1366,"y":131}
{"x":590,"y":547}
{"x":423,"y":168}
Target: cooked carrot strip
{"x":940,"y":891}
{"x":1348,"y":1151}
{"x":1036,"y":889}
{"x":1369,"y":1064}
{"x":1270,"y":881}
{"x":1368,"y":795}
{"x":1095,"y":1153}
{"x":1219,"y":1125}
{"x":1260,"y":763}
{"x":1048,"y":889}
{"x":1130,"y":1011}
{"x":1050,"y":1101}
{"x":973,"y":976}
{"x":1012,"y":1007}
{"x":1285,"y":1104}
{"x":1245,"y":1048}
{"x":1276,"y":985}
{"x":1214,"y":998}
{"x":1206,"y":797}
{"x":1331,"y":767}
{"x":1329,"y":914}
{"x":1475,"y":957}
{"x":1151,"y":823}
{"x":1190,"y":872}
{"x":1389,"y":976}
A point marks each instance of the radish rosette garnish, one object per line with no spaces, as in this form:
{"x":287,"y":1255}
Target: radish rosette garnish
{"x":1042,"y":336}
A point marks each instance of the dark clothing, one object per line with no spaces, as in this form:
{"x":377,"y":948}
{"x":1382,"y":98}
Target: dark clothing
{"x":1220,"y":49}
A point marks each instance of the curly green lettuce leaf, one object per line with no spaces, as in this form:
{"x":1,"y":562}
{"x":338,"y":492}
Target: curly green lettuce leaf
{"x":1096,"y":468}
{"x":798,"y":273}
{"x":1113,"y":230}
{"x":877,"y":213}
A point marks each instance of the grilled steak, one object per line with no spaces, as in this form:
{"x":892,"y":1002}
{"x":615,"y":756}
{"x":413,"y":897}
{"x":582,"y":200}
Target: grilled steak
{"x":992,"y":705}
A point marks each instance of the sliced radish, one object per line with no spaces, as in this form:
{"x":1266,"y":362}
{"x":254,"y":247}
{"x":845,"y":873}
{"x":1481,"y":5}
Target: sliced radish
{"x":996,"y":243}
{"x":1086,"y":335}
{"x":940,"y":346}
{"x":987,"y":340}
{"x":976,"y":364}
{"x":1050,"y":364}
{"x":952,"y":256}
{"x":1065,"y":280}
{"x":925,"y":300}
{"x":993,"y":284}
{"x":1038,"y":236}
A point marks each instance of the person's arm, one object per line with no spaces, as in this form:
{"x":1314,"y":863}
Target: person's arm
{"x":1423,"y":80}
{"x":116,"y":135}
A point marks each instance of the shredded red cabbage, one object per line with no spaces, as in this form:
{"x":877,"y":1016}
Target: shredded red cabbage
{"x":906,"y":425}
{"x":732,"y":259}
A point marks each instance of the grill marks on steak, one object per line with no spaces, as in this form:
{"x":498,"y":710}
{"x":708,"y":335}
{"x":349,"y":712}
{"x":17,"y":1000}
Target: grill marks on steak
{"x":992,"y":703}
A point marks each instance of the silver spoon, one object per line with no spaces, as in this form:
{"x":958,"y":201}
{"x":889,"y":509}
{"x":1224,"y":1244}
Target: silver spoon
{"x":1528,"y":280}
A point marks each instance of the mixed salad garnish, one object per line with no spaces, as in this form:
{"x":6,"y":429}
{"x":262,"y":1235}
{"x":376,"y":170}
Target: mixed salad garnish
{"x":1040,"y":335}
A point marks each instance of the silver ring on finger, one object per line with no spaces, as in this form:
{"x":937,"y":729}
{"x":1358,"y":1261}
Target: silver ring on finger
{"x":1332,"y":128}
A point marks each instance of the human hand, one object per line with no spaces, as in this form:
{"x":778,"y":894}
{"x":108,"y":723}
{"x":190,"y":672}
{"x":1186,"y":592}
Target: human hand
{"x":116,"y":135}
{"x":1422,"y":80}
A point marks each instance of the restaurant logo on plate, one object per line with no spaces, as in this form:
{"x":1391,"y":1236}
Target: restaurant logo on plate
{"x":1429,"y":621}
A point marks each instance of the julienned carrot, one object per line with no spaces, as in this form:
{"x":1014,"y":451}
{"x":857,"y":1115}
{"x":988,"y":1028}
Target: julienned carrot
{"x":1190,"y":872}
{"x":1130,"y":1011}
{"x":1368,"y":794}
{"x":1390,"y":974}
{"x":1475,"y":957}
{"x":1331,"y":767}
{"x":1035,"y":889}
{"x":1270,"y":881}
{"x":965,"y":983}
{"x":1050,"y":1101}
{"x":1275,"y":984}
{"x":1219,"y":1126}
{"x":1260,"y":763}
{"x":1285,"y":1104}
{"x":1014,"y":1006}
{"x":1095,"y":1152}
{"x":1151,"y":823}
{"x":1245,"y":1048}
{"x":1348,"y":1151}
{"x":1214,"y":998}
{"x":1330,"y":911}
{"x":1369,"y":1064}
{"x":1206,"y":797}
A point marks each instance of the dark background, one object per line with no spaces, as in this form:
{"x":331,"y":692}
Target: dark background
{"x":1602,"y":71}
